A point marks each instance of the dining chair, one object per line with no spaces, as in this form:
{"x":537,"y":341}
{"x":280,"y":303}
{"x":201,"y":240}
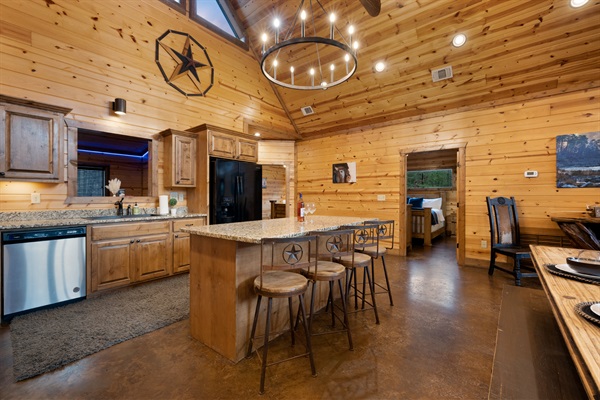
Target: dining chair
{"x":505,"y":237}
{"x":281,"y":258}
{"x":365,"y":238}
{"x":331,"y":247}
{"x":385,"y":234}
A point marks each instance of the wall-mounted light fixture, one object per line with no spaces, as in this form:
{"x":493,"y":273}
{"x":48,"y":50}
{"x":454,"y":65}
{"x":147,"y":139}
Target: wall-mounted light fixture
{"x":119,"y":106}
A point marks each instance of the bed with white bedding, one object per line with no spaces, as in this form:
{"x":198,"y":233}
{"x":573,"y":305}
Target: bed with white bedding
{"x":428,"y":221}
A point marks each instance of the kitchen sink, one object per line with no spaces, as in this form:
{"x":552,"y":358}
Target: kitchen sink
{"x":102,"y":217}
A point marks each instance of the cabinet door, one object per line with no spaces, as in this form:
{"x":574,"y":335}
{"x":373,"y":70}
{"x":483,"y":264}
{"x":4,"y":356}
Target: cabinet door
{"x":184,"y":161}
{"x":247,"y":150}
{"x":152,"y":257}
{"x":181,"y":252}
{"x":29,"y":144}
{"x":111,"y":264}
{"x":221,"y":145}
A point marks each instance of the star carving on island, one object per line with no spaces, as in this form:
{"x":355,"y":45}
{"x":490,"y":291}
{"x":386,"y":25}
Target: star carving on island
{"x":292,"y":254}
{"x":188,"y":64}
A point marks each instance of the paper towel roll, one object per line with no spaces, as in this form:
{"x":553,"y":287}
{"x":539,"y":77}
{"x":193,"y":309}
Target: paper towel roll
{"x":163,"y":205}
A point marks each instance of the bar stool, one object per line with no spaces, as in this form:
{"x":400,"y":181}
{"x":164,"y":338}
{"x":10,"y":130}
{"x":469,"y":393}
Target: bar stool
{"x":279,"y":258}
{"x":331,"y":246}
{"x":385,"y":232}
{"x":365,"y":237}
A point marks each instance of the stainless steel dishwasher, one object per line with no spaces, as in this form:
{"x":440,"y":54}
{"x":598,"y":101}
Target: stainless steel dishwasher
{"x":42,"y":267}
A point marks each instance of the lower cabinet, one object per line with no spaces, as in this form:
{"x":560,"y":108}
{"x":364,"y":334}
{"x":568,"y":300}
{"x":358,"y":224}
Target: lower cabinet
{"x":121,"y":254}
{"x":127,"y":253}
{"x":181,"y":243}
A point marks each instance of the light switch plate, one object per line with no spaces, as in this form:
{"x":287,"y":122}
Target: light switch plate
{"x":530,"y":174}
{"x":36,"y":198}
{"x":180,"y":197}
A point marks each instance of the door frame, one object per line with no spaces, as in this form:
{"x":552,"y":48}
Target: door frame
{"x":461,"y":149}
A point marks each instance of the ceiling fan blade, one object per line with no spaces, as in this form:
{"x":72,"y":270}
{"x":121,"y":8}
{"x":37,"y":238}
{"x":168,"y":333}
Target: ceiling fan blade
{"x":373,"y":7}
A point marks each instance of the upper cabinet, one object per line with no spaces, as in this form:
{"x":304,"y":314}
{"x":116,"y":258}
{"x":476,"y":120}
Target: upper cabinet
{"x":180,"y":158}
{"x":31,"y":140}
{"x":227,"y":144}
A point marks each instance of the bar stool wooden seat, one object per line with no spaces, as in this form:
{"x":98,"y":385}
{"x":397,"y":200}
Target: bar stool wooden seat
{"x":332,"y":245}
{"x":385,"y":232}
{"x":280,"y":258}
{"x":365,"y":238}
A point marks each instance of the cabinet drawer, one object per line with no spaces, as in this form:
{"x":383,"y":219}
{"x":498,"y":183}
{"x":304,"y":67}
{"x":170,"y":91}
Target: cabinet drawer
{"x":114,"y":231}
{"x":186,"y":223}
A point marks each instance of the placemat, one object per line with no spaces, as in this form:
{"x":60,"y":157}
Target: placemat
{"x":584,"y":310}
{"x":552,"y":269}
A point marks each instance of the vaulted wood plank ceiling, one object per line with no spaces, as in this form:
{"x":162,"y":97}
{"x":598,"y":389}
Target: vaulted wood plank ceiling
{"x":515,"y":50}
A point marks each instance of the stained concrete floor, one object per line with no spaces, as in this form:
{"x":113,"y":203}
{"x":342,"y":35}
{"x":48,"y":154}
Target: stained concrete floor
{"x":437,"y":341}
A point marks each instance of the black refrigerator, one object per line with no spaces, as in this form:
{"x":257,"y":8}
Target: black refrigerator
{"x":235,"y":191}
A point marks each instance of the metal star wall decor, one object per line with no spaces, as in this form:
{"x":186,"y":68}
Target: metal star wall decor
{"x":184,"y":63}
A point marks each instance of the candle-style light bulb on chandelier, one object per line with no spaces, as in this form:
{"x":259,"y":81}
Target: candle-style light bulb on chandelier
{"x":302,"y":61}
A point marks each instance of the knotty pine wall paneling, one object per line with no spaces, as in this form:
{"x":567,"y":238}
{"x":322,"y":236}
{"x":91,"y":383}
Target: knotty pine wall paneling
{"x":82,"y":55}
{"x":501,"y":143}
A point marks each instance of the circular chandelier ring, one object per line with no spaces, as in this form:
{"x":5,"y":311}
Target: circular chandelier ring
{"x":304,"y":40}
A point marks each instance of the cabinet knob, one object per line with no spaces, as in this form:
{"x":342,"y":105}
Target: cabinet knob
{"x":138,"y":240}
{"x":176,"y":235}
{"x":131,"y":241}
{"x":189,"y":224}
{"x":2,"y":174}
{"x":177,"y":182}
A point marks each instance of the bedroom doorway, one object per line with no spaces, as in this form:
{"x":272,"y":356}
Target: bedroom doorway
{"x":447,"y":156}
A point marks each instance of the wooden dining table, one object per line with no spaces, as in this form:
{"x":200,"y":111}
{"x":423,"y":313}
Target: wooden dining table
{"x":581,"y":336}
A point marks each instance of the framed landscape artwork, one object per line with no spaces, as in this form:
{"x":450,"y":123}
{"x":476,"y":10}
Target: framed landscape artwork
{"x":578,"y":160}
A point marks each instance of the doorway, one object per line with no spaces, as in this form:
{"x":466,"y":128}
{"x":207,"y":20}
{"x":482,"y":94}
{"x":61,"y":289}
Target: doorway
{"x":274,"y":189}
{"x":447,"y":156}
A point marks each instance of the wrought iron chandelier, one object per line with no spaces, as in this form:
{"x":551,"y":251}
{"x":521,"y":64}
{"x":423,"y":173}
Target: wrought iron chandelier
{"x":309,"y":62}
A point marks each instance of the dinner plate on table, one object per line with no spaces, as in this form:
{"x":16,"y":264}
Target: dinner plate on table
{"x":595,"y":308}
{"x":584,"y":265}
{"x":570,"y":270}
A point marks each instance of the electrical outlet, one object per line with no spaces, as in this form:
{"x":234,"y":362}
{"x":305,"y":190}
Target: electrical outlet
{"x":484,"y":244}
{"x":180,"y":197}
{"x":36,"y":198}
{"x":381,"y":197}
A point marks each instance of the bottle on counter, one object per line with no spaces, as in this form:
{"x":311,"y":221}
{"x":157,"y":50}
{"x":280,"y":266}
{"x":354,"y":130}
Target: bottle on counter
{"x":300,"y":209}
{"x":136,"y":209}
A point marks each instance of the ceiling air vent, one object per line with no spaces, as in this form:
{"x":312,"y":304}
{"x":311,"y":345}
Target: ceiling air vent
{"x":441,"y":74}
{"x":308,"y":110}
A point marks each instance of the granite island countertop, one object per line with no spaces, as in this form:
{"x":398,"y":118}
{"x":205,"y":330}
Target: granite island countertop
{"x":254,"y":231}
{"x":82,"y":220}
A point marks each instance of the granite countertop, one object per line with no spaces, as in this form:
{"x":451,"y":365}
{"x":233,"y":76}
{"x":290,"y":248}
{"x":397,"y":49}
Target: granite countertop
{"x":76,"y":219}
{"x":254,"y":231}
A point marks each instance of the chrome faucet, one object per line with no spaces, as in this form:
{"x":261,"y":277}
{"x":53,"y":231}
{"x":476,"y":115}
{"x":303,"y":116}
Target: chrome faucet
{"x":119,"y":205}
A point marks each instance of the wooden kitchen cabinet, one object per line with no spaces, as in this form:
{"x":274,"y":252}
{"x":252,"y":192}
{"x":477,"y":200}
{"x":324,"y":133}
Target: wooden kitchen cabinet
{"x":180,"y":158}
{"x":181,"y":243}
{"x":227,"y":144}
{"x":130,"y":252}
{"x":31,"y":140}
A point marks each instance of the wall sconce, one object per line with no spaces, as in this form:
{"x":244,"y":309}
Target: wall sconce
{"x":119,"y":106}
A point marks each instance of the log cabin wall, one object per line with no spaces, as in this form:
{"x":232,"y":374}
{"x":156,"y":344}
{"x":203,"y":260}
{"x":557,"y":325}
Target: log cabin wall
{"x":501,"y":143}
{"x":83,"y":55}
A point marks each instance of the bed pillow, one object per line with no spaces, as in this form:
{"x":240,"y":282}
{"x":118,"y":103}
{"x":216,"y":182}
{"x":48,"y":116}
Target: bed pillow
{"x":416,"y":202}
{"x":432,"y":203}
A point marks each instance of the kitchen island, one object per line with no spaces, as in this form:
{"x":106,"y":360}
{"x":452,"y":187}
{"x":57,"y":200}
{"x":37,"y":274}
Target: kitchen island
{"x":225,"y":260}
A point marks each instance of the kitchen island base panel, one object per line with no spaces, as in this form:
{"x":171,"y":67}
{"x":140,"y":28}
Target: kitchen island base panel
{"x":222,"y":298}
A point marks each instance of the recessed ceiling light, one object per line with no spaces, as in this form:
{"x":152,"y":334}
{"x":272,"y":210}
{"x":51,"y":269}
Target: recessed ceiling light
{"x":257,"y":134}
{"x":459,"y":40}
{"x":380,"y":66}
{"x":578,"y":3}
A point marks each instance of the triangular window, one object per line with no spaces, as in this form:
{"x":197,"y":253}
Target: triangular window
{"x":216,"y":15}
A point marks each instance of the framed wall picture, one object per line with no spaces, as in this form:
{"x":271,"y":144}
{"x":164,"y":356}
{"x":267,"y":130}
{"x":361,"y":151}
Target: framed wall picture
{"x":578,"y":160}
{"x":344,"y":172}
